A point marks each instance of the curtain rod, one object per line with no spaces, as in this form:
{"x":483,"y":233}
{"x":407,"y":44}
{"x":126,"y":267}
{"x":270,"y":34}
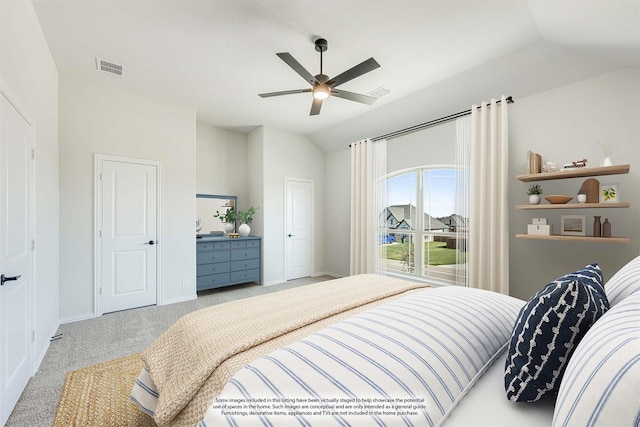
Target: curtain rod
{"x":430,"y":123}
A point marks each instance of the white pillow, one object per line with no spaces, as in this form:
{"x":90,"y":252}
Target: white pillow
{"x":624,"y":282}
{"x":601,"y":384}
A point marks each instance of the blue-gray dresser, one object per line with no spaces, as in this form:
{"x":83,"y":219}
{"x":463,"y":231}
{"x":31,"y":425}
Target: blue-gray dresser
{"x":222,"y":261}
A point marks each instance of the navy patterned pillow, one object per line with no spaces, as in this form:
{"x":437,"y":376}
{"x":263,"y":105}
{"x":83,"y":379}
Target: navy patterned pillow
{"x":548,"y":329}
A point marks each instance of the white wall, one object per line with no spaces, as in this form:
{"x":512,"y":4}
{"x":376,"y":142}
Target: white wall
{"x":285,"y":154}
{"x":337,"y":213}
{"x":221,"y":162}
{"x":107,"y":119}
{"x":432,"y":146}
{"x":564,"y":125}
{"x":27,"y":67}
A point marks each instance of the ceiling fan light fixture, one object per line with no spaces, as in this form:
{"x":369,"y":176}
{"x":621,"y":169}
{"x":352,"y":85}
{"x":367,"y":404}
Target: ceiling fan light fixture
{"x":321,"y":92}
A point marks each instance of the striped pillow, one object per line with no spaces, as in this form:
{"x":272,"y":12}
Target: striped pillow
{"x":548,"y":329}
{"x":624,"y":282}
{"x":601,"y":384}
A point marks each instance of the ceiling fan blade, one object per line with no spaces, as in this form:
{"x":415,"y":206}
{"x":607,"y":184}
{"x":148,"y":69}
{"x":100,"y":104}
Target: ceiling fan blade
{"x":297,"y":67}
{"x":353,"y":72}
{"x":315,"y":107}
{"x":284,"y":92}
{"x":351,"y":96}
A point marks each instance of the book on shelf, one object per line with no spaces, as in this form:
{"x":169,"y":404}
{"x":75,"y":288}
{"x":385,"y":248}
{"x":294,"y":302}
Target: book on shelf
{"x":534,"y":162}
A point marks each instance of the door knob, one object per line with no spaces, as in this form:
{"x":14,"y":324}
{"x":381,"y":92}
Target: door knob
{"x":292,"y":235}
{"x":4,"y":278}
{"x":150,"y":242}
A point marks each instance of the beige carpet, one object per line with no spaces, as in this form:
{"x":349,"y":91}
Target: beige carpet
{"x":99,"y":396}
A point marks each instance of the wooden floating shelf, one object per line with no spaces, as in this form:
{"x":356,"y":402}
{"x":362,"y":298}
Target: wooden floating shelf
{"x":575,"y":238}
{"x":575,"y":206}
{"x":575,"y":173}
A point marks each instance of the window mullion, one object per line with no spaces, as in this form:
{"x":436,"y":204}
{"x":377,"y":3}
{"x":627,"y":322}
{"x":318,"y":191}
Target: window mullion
{"x":419,"y":236}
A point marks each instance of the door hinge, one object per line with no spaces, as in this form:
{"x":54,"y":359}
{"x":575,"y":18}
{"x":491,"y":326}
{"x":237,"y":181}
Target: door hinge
{"x":33,"y":336}
{"x":100,"y":176}
{"x":100,"y":233}
{"x":33,"y":154}
{"x":33,"y":244}
{"x":100,"y":290}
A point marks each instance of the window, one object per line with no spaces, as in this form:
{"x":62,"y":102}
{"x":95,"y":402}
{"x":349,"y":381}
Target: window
{"x":422,"y":230}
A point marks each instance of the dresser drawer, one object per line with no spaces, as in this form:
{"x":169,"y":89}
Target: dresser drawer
{"x":212,"y":281}
{"x":220,"y":245}
{"x":245,"y":265}
{"x":253,"y":243}
{"x":235,"y":244}
{"x":205,"y":269}
{"x":240,"y":254}
{"x":213,"y":256}
{"x":245,"y":276}
{"x":205,"y":246}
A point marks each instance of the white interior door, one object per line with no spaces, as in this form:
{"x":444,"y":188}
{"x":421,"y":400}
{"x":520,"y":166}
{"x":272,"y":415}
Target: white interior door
{"x":129,"y":244}
{"x":298,"y":228}
{"x":16,"y":257}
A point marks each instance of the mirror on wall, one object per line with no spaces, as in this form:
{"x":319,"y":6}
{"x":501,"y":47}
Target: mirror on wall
{"x":206,"y":206}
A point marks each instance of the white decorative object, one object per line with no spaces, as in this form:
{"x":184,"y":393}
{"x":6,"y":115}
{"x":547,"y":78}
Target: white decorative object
{"x":534,"y":199}
{"x":539,"y":229}
{"x":244,"y":230}
{"x":607,"y":150}
{"x":539,"y":221}
{"x":228,"y":227}
{"x":549,"y":167}
{"x":582,"y":198}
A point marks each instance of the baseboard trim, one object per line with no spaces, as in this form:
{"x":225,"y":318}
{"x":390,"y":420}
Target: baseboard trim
{"x":77,"y":318}
{"x":274,"y":282}
{"x":45,"y":349}
{"x":177,"y":300}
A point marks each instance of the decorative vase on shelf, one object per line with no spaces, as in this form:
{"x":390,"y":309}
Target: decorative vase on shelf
{"x":582,"y":198}
{"x":534,"y":199}
{"x":244,"y":230}
{"x":228,"y":227}
{"x":606,"y":161}
{"x":596,"y":226}
{"x":606,"y":228}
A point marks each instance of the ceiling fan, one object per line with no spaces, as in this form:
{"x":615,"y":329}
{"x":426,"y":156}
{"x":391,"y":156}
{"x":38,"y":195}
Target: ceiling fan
{"x":322,"y":85}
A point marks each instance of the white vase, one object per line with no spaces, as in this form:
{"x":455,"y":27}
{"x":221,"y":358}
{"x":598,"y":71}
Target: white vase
{"x":228,"y":227}
{"x":534,"y":199}
{"x":582,"y":198}
{"x":606,"y":162}
{"x":244,"y":230}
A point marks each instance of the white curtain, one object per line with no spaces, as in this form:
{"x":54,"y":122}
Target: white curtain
{"x":489,"y":213}
{"x":368,"y":200}
{"x":463,"y":162}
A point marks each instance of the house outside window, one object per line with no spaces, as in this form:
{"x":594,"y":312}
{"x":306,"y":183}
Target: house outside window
{"x":421,"y":234}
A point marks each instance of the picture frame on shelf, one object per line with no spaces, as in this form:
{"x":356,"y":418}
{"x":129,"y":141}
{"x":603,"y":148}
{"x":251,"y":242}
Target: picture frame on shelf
{"x":609,"y":192}
{"x":573,"y":225}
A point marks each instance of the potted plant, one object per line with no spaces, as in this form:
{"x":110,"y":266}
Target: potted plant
{"x":581,"y":197}
{"x":245,"y":218}
{"x":228,"y":218}
{"x":534,"y":193}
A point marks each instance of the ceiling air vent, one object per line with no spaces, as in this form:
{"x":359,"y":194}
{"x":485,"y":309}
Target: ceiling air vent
{"x":380,"y":92}
{"x":109,"y":67}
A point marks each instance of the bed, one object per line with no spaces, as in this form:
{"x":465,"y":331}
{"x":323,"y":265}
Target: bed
{"x":374,"y":350}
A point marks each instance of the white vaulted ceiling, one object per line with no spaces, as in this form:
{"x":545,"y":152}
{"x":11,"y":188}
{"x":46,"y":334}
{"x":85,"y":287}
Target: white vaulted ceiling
{"x":218,"y":55}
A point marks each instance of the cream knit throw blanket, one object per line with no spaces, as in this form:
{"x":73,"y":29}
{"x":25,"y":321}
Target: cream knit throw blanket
{"x":192,"y":360}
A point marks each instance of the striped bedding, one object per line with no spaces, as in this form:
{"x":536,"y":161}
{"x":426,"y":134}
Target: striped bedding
{"x":187,"y":367}
{"x":407,"y":362}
